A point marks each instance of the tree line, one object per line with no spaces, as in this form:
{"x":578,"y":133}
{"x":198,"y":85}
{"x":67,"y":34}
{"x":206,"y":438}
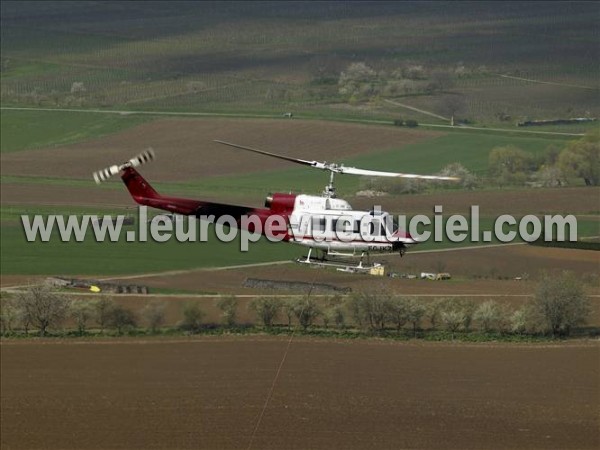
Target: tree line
{"x":559,"y":306}
{"x":512,"y":166}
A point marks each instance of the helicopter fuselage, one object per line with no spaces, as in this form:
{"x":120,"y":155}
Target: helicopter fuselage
{"x":324,"y":223}
{"x":331,"y":225}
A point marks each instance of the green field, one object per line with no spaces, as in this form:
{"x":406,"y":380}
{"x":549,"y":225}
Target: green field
{"x":110,"y":258}
{"x":254,"y":59}
{"x":22,"y":130}
{"x":470,"y":148}
{"x":107,"y":258}
{"x":426,"y":157}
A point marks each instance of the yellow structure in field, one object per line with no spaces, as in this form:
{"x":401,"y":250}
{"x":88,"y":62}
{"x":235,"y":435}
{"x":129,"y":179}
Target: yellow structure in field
{"x":377,"y":271}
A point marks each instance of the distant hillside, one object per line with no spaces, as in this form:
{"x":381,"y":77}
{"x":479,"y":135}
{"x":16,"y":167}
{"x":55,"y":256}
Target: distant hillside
{"x":298,"y":56}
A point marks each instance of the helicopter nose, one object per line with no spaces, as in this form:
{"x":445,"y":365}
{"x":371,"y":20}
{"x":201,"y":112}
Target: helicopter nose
{"x":404,"y":237}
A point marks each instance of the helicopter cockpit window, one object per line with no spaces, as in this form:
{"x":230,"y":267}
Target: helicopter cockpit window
{"x":343,"y":224}
{"x":391,"y":224}
{"x":377,"y":228}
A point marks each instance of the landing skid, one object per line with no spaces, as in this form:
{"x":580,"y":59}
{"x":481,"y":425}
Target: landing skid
{"x":342,"y":265}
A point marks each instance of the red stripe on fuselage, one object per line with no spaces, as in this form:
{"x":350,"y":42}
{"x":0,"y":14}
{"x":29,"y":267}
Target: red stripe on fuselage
{"x":144,"y":194}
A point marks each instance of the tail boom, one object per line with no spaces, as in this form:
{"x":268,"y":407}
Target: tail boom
{"x":144,"y":194}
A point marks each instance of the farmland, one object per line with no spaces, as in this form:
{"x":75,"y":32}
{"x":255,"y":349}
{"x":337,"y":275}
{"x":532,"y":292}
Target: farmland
{"x":87,"y":85}
{"x":37,"y":129}
{"x":207,"y":393}
{"x":244,"y":179}
{"x":225,"y":62}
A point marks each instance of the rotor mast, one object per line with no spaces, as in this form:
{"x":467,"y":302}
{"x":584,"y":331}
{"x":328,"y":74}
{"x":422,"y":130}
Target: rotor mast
{"x":329,"y":191}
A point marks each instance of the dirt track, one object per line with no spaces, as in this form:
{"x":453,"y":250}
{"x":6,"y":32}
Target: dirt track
{"x":208,"y":393}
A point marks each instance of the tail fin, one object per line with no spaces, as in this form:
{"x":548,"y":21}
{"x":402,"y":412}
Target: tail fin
{"x":136,"y":184}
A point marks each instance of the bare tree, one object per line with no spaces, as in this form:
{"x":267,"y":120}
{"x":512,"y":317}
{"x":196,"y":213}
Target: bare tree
{"x":122,"y":318}
{"x":228,"y":307}
{"x":415,"y":311}
{"x":452,"y":106}
{"x":306,"y":311}
{"x":333,"y":312}
{"x":353,"y":306}
{"x":266,"y":309}
{"x":326,"y":318}
{"x":372,"y":308}
{"x":9,"y":314}
{"x":433,"y":310}
{"x":467,"y":308}
{"x":397,"y":308}
{"x":439,"y":81}
{"x":24,"y":319}
{"x":44,"y":307}
{"x":287,"y":306}
{"x":192,"y":317}
{"x":154,"y":314}
{"x":82,"y":311}
{"x":452,"y":319}
{"x":103,"y":308}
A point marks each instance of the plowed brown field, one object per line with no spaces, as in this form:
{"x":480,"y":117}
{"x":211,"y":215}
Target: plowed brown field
{"x":209,"y":393}
{"x":180,"y":141}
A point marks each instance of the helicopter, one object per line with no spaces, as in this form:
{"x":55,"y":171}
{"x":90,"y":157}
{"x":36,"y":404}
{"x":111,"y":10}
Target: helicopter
{"x":324,"y":223}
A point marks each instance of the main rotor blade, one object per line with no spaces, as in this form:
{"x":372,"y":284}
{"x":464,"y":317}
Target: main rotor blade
{"x":377,"y":173}
{"x":274,"y":155}
{"x":340,"y":168}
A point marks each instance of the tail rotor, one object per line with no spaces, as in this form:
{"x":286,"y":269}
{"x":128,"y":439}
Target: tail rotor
{"x":136,"y":161}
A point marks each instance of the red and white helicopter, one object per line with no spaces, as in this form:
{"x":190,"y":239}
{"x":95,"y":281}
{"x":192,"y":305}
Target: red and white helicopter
{"x":316,"y":222}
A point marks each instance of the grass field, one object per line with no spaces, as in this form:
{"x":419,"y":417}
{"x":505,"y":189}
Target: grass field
{"x":93,"y":258}
{"x":24,"y":130}
{"x":112,"y":258}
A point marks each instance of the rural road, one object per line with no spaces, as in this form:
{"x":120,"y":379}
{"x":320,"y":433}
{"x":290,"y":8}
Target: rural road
{"x":554,"y":83}
{"x":273,"y":116}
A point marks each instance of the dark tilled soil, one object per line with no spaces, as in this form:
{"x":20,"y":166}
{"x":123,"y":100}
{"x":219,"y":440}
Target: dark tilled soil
{"x":209,"y":393}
